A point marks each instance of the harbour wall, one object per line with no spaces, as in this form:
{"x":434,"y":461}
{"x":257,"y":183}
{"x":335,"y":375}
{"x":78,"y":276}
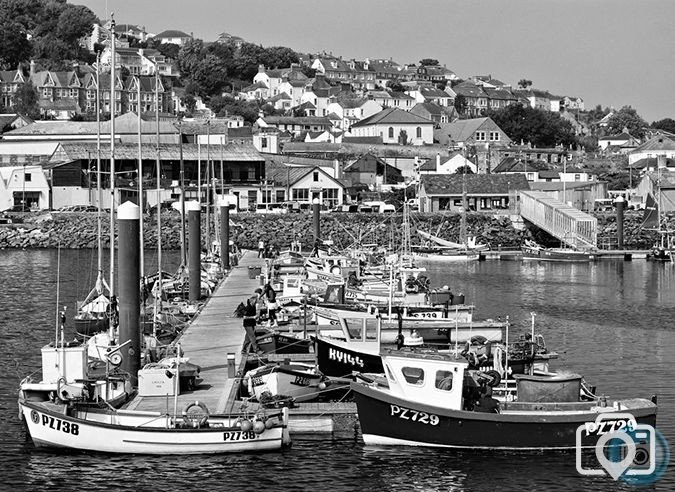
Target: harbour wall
{"x":79,"y":230}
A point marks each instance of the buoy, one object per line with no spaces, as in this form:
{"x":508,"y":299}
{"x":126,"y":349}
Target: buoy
{"x":258,"y":427}
{"x":269,"y":423}
{"x":246,"y":425}
{"x":322,"y":386}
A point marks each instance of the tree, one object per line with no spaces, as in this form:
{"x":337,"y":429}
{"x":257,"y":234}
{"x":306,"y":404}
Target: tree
{"x":403,"y":137}
{"x":524,"y":83}
{"x":395,"y":86}
{"x":464,"y":170}
{"x":429,"y":62}
{"x":309,"y":72}
{"x":14,"y":45}
{"x":26,"y":101}
{"x":210,"y":74}
{"x":540,"y":128}
{"x":626,"y":118}
{"x":666,"y":124}
{"x":75,"y":22}
{"x":460,"y":104}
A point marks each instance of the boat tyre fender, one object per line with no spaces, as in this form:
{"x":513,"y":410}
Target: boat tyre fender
{"x":189,"y":418}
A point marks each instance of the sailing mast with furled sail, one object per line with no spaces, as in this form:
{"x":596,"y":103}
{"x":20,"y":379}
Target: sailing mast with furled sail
{"x":654,"y":220}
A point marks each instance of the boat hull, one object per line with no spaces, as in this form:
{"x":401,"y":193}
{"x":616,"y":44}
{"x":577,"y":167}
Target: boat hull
{"x":91,"y":325}
{"x":295,"y":380}
{"x":389,"y":420}
{"x":51,"y":428}
{"x":556,"y":255}
{"x":277,"y":343}
{"x":335,"y":359}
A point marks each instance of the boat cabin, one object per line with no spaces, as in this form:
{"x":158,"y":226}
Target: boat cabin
{"x":428,"y":379}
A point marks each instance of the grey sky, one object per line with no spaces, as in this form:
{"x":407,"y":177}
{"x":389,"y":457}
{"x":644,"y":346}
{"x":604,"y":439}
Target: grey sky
{"x":610,"y":52}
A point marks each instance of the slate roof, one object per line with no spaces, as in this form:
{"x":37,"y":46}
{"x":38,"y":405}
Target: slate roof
{"x":363,"y":140}
{"x":297,"y":120}
{"x":650,"y":162}
{"x":658,"y":143}
{"x":433,"y":92}
{"x":469,"y":89}
{"x":460,"y":130}
{"x":621,"y":136}
{"x":499,"y":93}
{"x":172,"y":33}
{"x":168,"y":152}
{"x":289,"y":175}
{"x":393,"y":116}
{"x":549,"y":174}
{"x":203,"y":127}
{"x":513,"y":165}
{"x":476,"y":184}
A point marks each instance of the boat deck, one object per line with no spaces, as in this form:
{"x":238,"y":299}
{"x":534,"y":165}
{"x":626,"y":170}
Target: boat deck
{"x":213,"y":333}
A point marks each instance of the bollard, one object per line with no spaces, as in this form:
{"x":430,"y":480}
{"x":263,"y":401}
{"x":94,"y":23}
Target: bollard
{"x":129,"y":279}
{"x":194,"y":250}
{"x":231,"y":369}
{"x":620,"y":202}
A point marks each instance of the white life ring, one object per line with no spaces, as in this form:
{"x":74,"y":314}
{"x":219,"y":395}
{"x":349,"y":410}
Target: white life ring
{"x":336,"y":270}
{"x":189,"y":418}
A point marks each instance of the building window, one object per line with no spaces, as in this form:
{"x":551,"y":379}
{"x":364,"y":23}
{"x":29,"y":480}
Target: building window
{"x":480,"y":137}
{"x":316,"y":176}
{"x":577,"y":177}
{"x":28,"y":177}
{"x":391,"y":132}
{"x":494,"y":136}
{"x":263,"y":142}
{"x":419,"y":132}
{"x":301,"y":194}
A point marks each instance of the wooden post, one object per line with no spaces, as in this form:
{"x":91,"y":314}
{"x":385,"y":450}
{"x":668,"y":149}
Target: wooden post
{"x":194,"y":250}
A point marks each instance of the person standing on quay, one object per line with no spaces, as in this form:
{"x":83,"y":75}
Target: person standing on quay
{"x":261,"y":248}
{"x":250,"y":315}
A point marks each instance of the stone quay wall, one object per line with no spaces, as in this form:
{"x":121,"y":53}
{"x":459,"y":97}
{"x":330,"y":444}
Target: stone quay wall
{"x":79,"y":230}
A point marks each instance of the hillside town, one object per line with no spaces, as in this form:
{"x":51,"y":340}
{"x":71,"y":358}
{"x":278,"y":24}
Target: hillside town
{"x":322,"y":127}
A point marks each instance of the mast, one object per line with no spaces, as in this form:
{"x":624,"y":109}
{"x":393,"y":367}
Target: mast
{"x":158,"y":297}
{"x":462,"y":229}
{"x":140,"y":179}
{"x":208,"y":184}
{"x":99,"y":217}
{"x":183,"y":255}
{"x":112,"y":155}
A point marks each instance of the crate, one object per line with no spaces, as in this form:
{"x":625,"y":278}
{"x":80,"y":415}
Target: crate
{"x":155,"y":381}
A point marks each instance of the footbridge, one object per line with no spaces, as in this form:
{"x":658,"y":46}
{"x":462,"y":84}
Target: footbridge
{"x":572,"y":226}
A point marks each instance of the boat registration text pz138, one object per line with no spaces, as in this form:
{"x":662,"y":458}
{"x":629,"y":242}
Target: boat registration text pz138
{"x":239,"y":436}
{"x":56,"y":424}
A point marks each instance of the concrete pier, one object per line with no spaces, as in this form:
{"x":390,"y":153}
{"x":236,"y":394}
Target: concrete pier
{"x":213,"y":334}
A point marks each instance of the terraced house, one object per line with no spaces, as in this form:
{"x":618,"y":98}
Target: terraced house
{"x":357,"y":73}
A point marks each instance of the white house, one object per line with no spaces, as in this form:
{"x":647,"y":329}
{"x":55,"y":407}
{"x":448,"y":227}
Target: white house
{"x":305,"y":183}
{"x":173,"y":36}
{"x":431,"y":94}
{"x":615,"y":140}
{"x":660,"y":145}
{"x":447,"y":165}
{"x":396,"y":126}
{"x":25,"y":185}
{"x":351,"y":111}
{"x":295,"y":89}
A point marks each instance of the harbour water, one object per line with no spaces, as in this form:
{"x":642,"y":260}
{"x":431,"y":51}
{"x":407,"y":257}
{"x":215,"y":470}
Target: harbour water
{"x":613,"y":322}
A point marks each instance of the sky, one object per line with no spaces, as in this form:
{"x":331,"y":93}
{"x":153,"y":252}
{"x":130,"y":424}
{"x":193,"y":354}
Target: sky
{"x":609,"y":52}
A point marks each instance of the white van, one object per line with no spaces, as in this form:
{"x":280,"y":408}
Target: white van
{"x":378,"y":207}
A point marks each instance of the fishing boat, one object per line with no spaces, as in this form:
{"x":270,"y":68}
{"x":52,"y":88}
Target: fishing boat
{"x":302,"y":382}
{"x":442,"y":330}
{"x":273,"y":342}
{"x":533,"y":251}
{"x":136,"y":432}
{"x":432,"y":400}
{"x":654,"y":220}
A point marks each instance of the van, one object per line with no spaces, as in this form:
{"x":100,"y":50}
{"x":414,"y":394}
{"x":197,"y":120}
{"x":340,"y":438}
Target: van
{"x":377,"y":207}
{"x":603,"y":205}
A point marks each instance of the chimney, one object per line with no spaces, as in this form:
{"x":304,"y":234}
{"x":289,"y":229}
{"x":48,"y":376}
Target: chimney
{"x":32,"y":67}
{"x":261,"y":68}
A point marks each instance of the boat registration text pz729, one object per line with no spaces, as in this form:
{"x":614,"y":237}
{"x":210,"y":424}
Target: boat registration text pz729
{"x":56,"y":424}
{"x":414,"y":415}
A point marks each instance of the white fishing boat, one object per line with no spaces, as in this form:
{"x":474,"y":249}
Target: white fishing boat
{"x":302,"y":382}
{"x":135,"y":432}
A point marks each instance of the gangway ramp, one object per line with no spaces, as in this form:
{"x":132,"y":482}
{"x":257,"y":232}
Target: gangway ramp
{"x":572,"y":226}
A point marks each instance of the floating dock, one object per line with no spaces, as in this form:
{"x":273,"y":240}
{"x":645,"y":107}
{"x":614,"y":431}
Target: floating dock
{"x":213,"y":334}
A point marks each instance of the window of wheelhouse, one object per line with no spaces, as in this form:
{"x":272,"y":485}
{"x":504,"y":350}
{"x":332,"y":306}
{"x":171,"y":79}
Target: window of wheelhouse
{"x":444,"y":380}
{"x":390,"y":373}
{"x":371,"y":329}
{"x":413,"y":375}
{"x":354,"y":327}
